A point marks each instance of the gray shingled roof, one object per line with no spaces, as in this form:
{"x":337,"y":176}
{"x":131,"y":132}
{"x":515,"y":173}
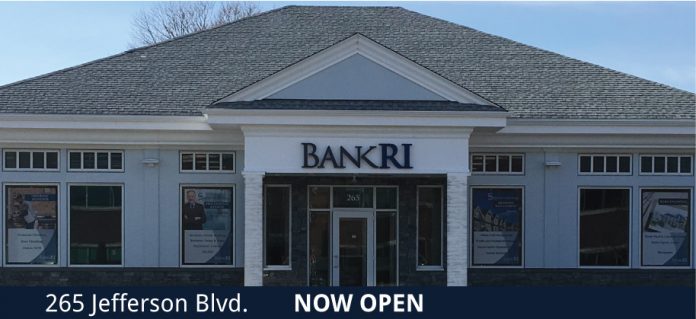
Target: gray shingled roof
{"x":363,"y":105}
{"x":185,"y":75}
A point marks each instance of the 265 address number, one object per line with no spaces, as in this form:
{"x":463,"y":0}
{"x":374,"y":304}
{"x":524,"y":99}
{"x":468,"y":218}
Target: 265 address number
{"x":65,"y":303}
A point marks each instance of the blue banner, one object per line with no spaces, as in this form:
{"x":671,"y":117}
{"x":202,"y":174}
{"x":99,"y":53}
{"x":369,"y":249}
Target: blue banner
{"x":265,"y":302}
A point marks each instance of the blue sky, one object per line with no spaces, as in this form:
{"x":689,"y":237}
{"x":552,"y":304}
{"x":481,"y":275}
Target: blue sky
{"x":648,"y":39}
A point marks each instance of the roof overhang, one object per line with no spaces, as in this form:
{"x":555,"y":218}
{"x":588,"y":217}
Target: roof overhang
{"x":599,"y":126}
{"x":242,"y":117}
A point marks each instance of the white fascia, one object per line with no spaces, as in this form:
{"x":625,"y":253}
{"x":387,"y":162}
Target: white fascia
{"x":104,"y":122}
{"x":581,"y":127}
{"x":343,"y":118}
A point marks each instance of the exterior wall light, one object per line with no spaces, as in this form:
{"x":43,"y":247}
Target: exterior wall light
{"x":151,"y":162}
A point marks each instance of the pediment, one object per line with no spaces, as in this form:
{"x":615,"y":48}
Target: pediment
{"x":356,"y":68}
{"x":356,"y":78}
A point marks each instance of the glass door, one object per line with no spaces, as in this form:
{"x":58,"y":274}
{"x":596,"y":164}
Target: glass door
{"x":353,"y":248}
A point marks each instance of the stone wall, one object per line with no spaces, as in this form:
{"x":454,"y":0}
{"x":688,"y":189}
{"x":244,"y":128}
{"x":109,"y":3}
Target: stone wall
{"x":581,"y":277}
{"x":121,"y":277}
{"x":478,"y":277}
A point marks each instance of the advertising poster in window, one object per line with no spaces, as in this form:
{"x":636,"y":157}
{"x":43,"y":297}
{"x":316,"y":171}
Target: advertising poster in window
{"x":206,"y":220}
{"x":665,"y":229}
{"x":497,"y":226}
{"x":31,"y":215}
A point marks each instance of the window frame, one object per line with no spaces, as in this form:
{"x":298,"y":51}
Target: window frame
{"x":31,"y":160}
{"x":471,"y":225}
{"x":123,"y":226}
{"x":690,"y":224}
{"x":234,"y":224}
{"x":497,"y":171}
{"x":605,"y":173}
{"x":95,"y":169}
{"x":665,"y":156}
{"x":207,"y":162}
{"x":440,"y":267}
{"x":59,"y":212}
{"x":289,"y":265}
{"x":630,"y":226}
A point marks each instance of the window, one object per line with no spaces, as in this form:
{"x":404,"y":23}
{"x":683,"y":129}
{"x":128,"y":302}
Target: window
{"x":277,"y":227}
{"x":604,"y":226}
{"x":95,"y":161}
{"x":207,"y":223}
{"x":605,"y":164}
{"x":24,"y":160}
{"x":497,"y":222}
{"x":429,"y":227}
{"x":386,"y":253}
{"x":96,"y":220}
{"x":31,"y":219}
{"x":497,"y":163}
{"x":207,"y":162}
{"x":665,"y":231}
{"x":319,"y":236}
{"x":665,"y":164}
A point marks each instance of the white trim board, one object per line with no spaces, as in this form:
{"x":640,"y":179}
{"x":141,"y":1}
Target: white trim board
{"x":104,"y":122}
{"x":357,"y":44}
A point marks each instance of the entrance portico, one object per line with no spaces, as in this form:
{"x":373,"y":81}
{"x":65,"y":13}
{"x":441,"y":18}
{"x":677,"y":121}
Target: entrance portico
{"x":277,"y":154}
{"x":380,"y":115}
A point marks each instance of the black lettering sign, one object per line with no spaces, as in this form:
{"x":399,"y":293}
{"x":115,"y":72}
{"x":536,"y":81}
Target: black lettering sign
{"x":310,"y":152}
{"x":387,"y":157}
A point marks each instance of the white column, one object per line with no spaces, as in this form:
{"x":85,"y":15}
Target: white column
{"x":253,"y":228}
{"x":457,"y":229}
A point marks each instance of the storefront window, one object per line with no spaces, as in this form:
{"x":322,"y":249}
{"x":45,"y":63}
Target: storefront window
{"x":497,"y":163}
{"x":429,"y":226}
{"x":600,"y":164}
{"x":277,"y":226}
{"x":31,"y":215}
{"x":319,"y":248}
{"x":496,"y":226}
{"x":31,"y":160}
{"x":386,"y":197}
{"x":221,"y":162}
{"x":207,"y":221}
{"x":386,"y":251}
{"x":319,"y":197}
{"x":665,"y":164}
{"x":665,"y":231}
{"x":604,"y":227}
{"x":352,"y":197}
{"x":95,"y":225}
{"x":105,"y":161}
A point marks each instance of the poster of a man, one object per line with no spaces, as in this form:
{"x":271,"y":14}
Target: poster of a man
{"x":193,"y":212}
{"x":20,"y":216}
{"x":206,"y":220}
{"x":31,"y":217}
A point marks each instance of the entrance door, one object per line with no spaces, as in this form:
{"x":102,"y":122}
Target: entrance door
{"x":353,"y":247}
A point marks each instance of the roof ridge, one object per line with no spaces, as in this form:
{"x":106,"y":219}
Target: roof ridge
{"x":551,"y":52}
{"x":134,"y":50}
{"x":338,"y":6}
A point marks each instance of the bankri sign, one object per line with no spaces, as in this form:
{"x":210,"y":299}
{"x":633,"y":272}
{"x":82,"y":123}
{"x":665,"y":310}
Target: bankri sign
{"x":380,"y":156}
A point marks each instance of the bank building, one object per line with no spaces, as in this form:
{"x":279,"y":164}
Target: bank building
{"x":356,"y":146}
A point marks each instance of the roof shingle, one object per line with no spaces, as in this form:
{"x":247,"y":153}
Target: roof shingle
{"x":187,"y":74}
